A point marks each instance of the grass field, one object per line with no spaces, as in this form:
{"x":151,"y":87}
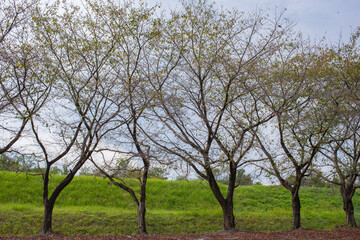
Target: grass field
{"x":93,"y":206}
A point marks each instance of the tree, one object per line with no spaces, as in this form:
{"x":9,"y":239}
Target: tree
{"x":342,"y":152}
{"x":316,"y":179}
{"x":141,"y":70}
{"x":206,"y":110}
{"x":242,"y":179}
{"x":16,"y":162}
{"x":158,"y":173}
{"x":343,"y":157}
{"x":290,"y":89}
{"x":76,"y":46}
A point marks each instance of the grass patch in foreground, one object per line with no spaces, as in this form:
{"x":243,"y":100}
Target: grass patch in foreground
{"x":93,"y":206}
{"x":74,"y":221}
{"x":20,"y":219}
{"x":25,"y":220}
{"x":281,"y":220}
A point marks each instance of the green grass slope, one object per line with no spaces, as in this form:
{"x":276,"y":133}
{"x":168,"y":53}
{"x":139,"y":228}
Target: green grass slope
{"x":93,"y":206}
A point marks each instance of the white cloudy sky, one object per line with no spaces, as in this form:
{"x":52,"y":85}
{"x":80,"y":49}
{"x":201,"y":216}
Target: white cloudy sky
{"x":315,"y":18}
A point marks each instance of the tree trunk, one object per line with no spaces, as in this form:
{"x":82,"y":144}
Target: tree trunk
{"x":347,"y":193}
{"x":296,"y":206}
{"x":49,"y":203}
{"x":228,"y":209}
{"x":141,"y":218}
{"x":349,"y":210}
{"x":141,"y":206}
{"x":229,"y":219}
{"x":46,"y":227}
{"x":226,"y":204}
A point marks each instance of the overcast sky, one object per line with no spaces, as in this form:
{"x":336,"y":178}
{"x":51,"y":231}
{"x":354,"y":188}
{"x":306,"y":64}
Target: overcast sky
{"x":314,"y":18}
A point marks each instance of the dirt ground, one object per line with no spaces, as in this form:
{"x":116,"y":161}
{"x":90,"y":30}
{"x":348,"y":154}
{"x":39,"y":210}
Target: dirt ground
{"x":341,"y":233}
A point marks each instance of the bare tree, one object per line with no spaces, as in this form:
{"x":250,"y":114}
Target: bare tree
{"x":207,"y":109}
{"x":76,"y":46}
{"x":141,"y":69}
{"x":293,"y":139}
{"x":342,"y":156}
{"x":342,"y":153}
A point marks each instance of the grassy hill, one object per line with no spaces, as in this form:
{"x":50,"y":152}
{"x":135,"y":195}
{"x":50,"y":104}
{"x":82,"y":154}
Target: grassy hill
{"x":93,"y":206}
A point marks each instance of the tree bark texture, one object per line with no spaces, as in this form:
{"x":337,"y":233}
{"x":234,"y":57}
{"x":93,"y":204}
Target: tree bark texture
{"x":50,"y":202}
{"x":349,"y":210}
{"x":347,"y":193}
{"x":229,"y":219}
{"x":141,"y":206}
{"x":296,"y":206}
{"x":47,"y":222}
{"x":141,"y":218}
{"x":226,"y":204}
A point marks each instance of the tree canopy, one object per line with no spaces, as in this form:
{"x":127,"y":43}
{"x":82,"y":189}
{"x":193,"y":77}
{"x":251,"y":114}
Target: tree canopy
{"x":118,"y":84}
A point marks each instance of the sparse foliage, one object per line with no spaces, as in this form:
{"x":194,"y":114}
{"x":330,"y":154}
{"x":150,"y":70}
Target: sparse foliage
{"x":341,"y":154}
{"x":209,"y":106}
{"x":204,"y":88}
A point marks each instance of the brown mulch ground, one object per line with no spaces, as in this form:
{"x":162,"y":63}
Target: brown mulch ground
{"x":341,"y":233}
